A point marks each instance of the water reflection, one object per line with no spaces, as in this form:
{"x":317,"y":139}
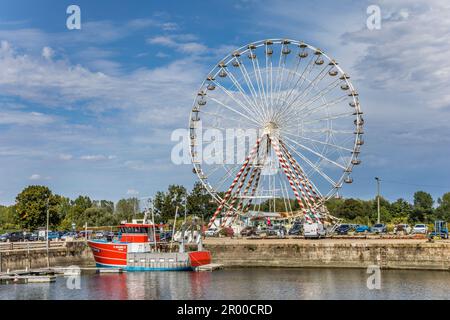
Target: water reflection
{"x":261,"y":283}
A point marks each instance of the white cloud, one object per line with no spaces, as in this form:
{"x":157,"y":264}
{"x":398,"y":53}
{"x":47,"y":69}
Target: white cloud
{"x":57,"y":83}
{"x":94,"y":157}
{"x":132,"y":192}
{"x":182,"y":43}
{"x":12,"y":117}
{"x":47,"y":53}
{"x":65,"y":157}
{"x":170,"y":26}
{"x":409,"y":52}
{"x":35,"y":177}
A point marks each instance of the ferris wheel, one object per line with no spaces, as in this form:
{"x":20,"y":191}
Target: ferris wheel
{"x":299,"y":122}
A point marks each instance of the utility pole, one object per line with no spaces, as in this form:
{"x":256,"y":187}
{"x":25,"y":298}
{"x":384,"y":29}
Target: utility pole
{"x":47,"y":244}
{"x":378,"y":198}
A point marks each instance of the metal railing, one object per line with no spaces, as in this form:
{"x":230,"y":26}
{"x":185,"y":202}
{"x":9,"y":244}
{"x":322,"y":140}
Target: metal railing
{"x":30,"y":245}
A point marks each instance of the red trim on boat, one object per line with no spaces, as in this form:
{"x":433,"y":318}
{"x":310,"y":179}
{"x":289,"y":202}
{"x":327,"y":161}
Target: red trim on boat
{"x":199,"y":258}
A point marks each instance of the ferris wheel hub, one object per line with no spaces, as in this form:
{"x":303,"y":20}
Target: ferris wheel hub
{"x":272,"y":129}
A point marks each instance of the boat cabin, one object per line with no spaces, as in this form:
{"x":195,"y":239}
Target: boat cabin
{"x":139,"y":232}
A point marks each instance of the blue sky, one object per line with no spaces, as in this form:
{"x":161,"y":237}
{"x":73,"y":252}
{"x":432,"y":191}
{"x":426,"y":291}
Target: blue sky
{"x":91,"y":111}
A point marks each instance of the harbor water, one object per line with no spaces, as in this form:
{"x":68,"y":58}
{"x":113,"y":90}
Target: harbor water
{"x":242,"y":283}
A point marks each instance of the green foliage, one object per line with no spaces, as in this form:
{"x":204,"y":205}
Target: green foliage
{"x":8,"y":219}
{"x":31,"y":207}
{"x":127,"y":209}
{"x":165,"y":203}
{"x":200,"y":202}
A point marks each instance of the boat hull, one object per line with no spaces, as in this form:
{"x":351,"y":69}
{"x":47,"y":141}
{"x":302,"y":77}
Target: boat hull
{"x":117,"y":255}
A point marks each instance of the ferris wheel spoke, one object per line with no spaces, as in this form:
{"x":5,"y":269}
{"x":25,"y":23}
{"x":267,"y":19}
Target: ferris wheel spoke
{"x":333,"y":131}
{"x":291,"y":76}
{"x":229,"y":119}
{"x":318,"y":141}
{"x":312,"y":84}
{"x":303,"y":77}
{"x":312,"y":165}
{"x":303,"y":113}
{"x":268,"y":89}
{"x":257,"y":74}
{"x":264,"y":92}
{"x":320,"y":95}
{"x":281,"y":64}
{"x":316,"y":153}
{"x":331,"y":117}
{"x":250,"y":85}
{"x":237,"y":101}
{"x":305,"y":93}
{"x":244,"y":95}
{"x":235,"y":111}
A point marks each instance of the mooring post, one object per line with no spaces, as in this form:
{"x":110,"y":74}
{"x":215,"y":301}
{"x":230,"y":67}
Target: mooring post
{"x":1,"y":270}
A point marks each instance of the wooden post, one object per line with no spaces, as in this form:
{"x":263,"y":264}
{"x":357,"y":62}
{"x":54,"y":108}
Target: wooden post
{"x":1,"y":262}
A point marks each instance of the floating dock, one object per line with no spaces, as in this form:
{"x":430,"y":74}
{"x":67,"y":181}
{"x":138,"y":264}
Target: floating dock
{"x":209,"y":267}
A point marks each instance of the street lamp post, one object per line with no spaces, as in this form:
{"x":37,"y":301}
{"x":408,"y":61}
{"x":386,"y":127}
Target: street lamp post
{"x":47,"y":244}
{"x":378,"y":198}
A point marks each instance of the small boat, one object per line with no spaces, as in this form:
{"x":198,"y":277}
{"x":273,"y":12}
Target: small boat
{"x":139,"y":248}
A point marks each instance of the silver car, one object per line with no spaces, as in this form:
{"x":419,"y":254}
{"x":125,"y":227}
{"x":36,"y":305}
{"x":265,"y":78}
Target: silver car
{"x":420,"y":229}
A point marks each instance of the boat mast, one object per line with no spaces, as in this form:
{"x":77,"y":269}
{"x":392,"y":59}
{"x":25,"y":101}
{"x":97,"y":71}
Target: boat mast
{"x":173,"y":229}
{"x":153,"y":222}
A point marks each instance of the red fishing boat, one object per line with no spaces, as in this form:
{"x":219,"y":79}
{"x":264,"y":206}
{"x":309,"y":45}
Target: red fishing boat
{"x":139,"y":248}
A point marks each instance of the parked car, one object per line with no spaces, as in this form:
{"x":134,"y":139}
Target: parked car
{"x":362,"y":229}
{"x":314,"y":230}
{"x":53,"y":235}
{"x":402,"y":228}
{"x":420,"y":229}
{"x":296,"y":229}
{"x":343,"y":229}
{"x":212,"y":232}
{"x":69,"y":235}
{"x":379,"y":228}
{"x":266,"y":231}
{"x":278,"y":230}
{"x":82,"y":234}
{"x":31,"y":236}
{"x":4,"y":237}
{"x":14,"y":237}
{"x":248,"y":231}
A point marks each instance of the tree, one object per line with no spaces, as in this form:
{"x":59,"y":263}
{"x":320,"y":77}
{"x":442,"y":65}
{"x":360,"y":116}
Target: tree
{"x":31,"y":207}
{"x":127,"y":209}
{"x":423,"y":200}
{"x":350,"y":209}
{"x":76,"y":212}
{"x":200,"y":202}
{"x":423,"y":207}
{"x":401,"y":211}
{"x":165,"y":203}
{"x":7,"y":218}
{"x":443,"y":210}
{"x":98,"y":216}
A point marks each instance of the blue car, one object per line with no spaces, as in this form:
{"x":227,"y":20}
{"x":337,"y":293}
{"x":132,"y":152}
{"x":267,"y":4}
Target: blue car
{"x":362,"y":228}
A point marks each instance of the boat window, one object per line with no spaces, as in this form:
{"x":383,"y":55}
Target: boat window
{"x":133,"y":229}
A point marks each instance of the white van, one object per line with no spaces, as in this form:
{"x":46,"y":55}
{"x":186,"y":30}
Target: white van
{"x":314,"y":230}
